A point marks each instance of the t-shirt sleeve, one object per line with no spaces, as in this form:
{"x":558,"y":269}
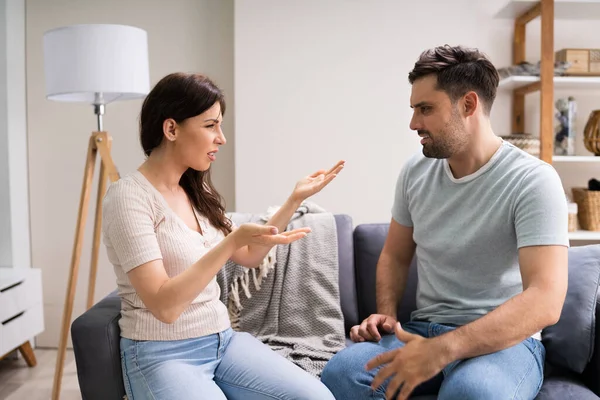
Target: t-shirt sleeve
{"x":541,"y":213}
{"x":129,"y":225}
{"x":400,"y":210}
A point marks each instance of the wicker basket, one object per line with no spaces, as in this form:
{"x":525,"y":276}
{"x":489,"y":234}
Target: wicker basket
{"x":588,"y":208}
{"x":591,"y":133}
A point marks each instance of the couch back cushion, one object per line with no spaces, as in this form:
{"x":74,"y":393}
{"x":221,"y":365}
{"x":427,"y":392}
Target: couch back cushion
{"x":347,"y":280}
{"x":570,"y":342}
{"x":368,"y":242}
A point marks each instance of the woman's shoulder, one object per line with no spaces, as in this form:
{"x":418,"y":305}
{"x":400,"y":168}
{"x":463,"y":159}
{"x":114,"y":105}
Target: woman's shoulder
{"x":129,"y":193}
{"x":126,"y":186}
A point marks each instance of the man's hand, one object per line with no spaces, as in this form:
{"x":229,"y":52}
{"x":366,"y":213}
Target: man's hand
{"x":369,"y":329}
{"x":418,"y":361}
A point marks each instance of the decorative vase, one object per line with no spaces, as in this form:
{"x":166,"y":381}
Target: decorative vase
{"x":564,"y":127}
{"x":591,"y":133}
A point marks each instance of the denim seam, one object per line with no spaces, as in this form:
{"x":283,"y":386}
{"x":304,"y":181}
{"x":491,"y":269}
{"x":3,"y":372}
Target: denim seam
{"x":531,"y":364}
{"x":222,"y":382}
{"x":127,"y":382}
{"x":135,"y":360}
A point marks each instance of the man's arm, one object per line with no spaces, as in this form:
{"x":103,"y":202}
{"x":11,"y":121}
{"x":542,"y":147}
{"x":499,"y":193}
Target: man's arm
{"x":544,"y":272}
{"x":391,"y":279}
{"x":392,"y":268}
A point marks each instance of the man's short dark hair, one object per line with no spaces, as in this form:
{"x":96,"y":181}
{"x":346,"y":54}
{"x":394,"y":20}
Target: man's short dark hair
{"x":459,"y":70}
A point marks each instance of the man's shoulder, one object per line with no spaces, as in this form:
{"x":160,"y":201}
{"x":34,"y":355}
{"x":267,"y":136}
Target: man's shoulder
{"x":519,"y":160}
{"x":525,"y":168}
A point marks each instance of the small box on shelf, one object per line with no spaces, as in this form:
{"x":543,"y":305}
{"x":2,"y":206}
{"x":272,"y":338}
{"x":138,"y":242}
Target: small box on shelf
{"x":583,"y":62}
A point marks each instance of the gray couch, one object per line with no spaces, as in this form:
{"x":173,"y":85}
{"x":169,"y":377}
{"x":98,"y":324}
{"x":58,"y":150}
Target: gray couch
{"x":95,"y":333}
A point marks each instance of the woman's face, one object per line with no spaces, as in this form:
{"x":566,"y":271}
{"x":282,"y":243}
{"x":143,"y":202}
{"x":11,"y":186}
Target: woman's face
{"x":197,"y":139}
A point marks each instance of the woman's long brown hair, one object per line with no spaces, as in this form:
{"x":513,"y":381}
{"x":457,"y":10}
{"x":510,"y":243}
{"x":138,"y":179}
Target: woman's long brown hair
{"x":181,"y":96}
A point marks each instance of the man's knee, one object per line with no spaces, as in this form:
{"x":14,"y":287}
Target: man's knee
{"x":345,"y":373}
{"x":341,"y":365}
{"x":477,"y":386}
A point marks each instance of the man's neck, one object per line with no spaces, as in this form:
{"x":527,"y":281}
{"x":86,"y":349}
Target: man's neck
{"x":477,"y":153}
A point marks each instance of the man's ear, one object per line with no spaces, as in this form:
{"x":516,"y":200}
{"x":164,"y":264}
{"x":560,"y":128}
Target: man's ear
{"x":170,"y":129}
{"x":470,"y":104}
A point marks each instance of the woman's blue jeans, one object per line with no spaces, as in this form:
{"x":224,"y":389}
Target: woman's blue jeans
{"x":228,"y":365}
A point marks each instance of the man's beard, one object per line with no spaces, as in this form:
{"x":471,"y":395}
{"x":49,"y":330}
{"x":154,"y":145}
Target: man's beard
{"x":446,"y":142}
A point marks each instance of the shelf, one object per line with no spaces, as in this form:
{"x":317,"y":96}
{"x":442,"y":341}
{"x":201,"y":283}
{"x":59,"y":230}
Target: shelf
{"x":560,"y":82}
{"x":584,"y":235}
{"x":563,"y":9}
{"x":570,"y":159}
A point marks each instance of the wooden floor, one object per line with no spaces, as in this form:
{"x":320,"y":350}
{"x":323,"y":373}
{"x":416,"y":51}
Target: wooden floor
{"x":19,"y":382}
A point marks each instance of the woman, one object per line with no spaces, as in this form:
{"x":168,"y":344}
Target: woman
{"x":167,"y":236}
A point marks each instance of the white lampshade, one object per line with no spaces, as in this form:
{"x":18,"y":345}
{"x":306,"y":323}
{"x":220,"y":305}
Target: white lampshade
{"x":96,"y":63}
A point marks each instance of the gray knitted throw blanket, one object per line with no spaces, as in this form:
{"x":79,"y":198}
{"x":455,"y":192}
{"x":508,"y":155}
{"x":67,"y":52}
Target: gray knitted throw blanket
{"x":292,"y":301}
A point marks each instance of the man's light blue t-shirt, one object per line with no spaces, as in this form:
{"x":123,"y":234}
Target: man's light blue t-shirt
{"x":468,"y":231}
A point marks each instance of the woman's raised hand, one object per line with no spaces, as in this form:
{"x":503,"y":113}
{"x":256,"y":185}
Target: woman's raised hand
{"x":314,"y":183}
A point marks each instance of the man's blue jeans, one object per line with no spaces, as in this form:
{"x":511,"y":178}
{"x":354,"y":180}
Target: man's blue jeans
{"x":225,"y":366}
{"x":513,"y":373}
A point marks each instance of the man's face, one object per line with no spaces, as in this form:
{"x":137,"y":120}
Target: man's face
{"x":436,"y":120}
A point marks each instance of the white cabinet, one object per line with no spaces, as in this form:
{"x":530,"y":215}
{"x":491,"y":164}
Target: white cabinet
{"x":21,"y":305}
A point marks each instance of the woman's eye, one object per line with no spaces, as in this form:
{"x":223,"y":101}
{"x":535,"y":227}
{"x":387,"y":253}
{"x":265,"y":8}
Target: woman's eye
{"x":210,"y":126}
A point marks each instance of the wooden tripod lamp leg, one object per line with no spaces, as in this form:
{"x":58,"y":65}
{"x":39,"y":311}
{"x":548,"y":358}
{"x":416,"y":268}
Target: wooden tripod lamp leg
{"x":76,"y":255}
{"x":96,"y":238}
{"x":103,"y":143}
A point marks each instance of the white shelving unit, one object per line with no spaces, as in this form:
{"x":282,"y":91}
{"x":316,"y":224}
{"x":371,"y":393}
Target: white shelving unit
{"x":522,"y":12}
{"x":584,"y":236}
{"x":560,"y":82}
{"x":575,"y":159}
{"x":563,"y":9}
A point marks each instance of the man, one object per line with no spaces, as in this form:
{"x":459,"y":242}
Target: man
{"x":488,"y":223}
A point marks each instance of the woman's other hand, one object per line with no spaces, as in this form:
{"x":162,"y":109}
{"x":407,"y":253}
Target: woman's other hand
{"x":265,"y":235}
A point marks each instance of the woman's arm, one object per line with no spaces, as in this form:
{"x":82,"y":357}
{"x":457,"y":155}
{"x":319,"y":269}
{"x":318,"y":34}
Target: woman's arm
{"x":252,"y":255}
{"x":167,"y":298}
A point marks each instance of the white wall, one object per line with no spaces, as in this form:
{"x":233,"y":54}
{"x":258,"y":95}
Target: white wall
{"x":14,"y":202}
{"x":318,"y":81}
{"x":183,"y":35}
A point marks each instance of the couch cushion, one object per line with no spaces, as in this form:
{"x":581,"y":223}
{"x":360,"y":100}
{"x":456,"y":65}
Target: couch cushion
{"x":564,"y":388}
{"x":570,"y":342}
{"x":96,"y":346}
{"x":368,"y":242}
{"x":347,"y":281}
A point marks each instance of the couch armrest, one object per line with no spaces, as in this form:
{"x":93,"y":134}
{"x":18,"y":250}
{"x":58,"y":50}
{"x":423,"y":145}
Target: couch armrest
{"x":96,"y":343}
{"x":591,"y":374}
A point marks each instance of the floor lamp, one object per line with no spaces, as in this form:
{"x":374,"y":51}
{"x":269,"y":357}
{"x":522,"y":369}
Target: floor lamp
{"x":95,"y":64}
